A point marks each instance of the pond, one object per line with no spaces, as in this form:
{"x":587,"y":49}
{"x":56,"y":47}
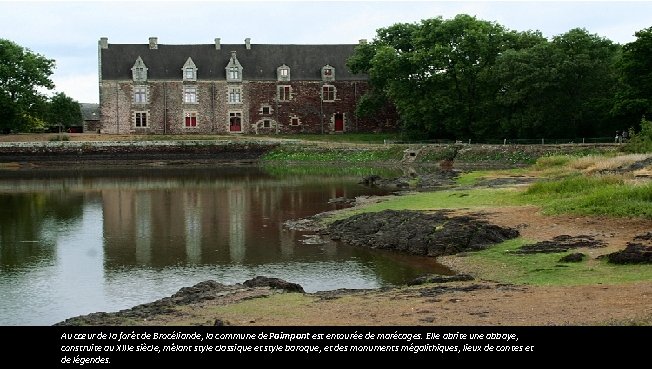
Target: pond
{"x":74,"y":242}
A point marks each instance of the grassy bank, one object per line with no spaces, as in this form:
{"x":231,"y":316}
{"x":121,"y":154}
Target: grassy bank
{"x":325,"y":154}
{"x":499,"y":263}
{"x":567,"y":185}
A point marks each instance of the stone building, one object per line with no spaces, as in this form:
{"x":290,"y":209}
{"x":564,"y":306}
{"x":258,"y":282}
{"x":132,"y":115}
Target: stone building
{"x":91,"y":116}
{"x":235,"y":88}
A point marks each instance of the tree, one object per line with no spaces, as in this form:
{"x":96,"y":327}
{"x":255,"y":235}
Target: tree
{"x":63,"y":111}
{"x":438,"y":73}
{"x":22,"y":74}
{"x":635,"y":98}
{"x":563,"y":88}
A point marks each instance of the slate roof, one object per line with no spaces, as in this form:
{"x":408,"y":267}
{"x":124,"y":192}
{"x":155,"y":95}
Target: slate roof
{"x":259,"y":63}
{"x":90,"y":111}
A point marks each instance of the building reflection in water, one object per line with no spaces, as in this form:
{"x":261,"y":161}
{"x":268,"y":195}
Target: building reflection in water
{"x":234,"y":219}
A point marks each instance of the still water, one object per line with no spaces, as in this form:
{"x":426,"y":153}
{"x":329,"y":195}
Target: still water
{"x":76,"y":242}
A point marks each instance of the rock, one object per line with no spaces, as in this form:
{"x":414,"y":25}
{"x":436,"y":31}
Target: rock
{"x":634,"y":253}
{"x":370,"y":180}
{"x":219,"y":323}
{"x":341,"y":200}
{"x":419,"y":233}
{"x":437,"y":278}
{"x":312,"y":239}
{"x":644,"y":237}
{"x":277,"y":283}
{"x":572,"y":258}
{"x":202,"y":291}
{"x":561,"y":243}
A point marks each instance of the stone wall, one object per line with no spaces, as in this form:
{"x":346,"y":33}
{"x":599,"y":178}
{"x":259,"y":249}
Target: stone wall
{"x":261,"y":110}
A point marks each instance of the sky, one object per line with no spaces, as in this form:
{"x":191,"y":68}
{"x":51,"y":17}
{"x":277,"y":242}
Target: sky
{"x":68,"y":31}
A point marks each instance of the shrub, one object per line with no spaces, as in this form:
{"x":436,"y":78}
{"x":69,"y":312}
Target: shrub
{"x":640,"y":142}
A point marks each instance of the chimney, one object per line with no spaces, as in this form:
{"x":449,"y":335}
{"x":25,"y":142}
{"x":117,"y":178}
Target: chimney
{"x":248,"y":43}
{"x":153,"y":43}
{"x":104,"y":43}
{"x":218,"y":45}
{"x":363,"y":41}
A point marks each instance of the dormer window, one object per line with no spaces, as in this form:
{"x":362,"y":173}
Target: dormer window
{"x":283,"y":73}
{"x":327,"y":73}
{"x":233,"y":69}
{"x":139,"y":71}
{"x":234,"y":73}
{"x":189,"y":70}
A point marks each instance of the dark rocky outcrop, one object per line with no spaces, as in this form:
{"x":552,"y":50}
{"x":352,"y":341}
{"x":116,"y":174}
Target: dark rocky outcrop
{"x":572,"y":258}
{"x":634,"y":253}
{"x":561,"y":243}
{"x":203,"y":291}
{"x":276,"y":283}
{"x":437,"y":278}
{"x":419,"y":233}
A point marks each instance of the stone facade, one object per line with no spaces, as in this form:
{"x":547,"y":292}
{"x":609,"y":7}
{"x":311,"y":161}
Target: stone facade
{"x":251,"y":89}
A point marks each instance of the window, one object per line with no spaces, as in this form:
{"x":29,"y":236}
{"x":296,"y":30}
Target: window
{"x":189,"y":70}
{"x":283,"y":73}
{"x":139,"y":74}
{"x":139,"y":71}
{"x":140,"y":119}
{"x":328,"y":93}
{"x":327,"y":73}
{"x":235,"y":95}
{"x":294,"y":121}
{"x":190,"y":95}
{"x":284,"y":93}
{"x":234,"y":73}
{"x":267,"y":110}
{"x":267,"y":123}
{"x":233,"y":69}
{"x":140,"y":94}
{"x":190,"y":119}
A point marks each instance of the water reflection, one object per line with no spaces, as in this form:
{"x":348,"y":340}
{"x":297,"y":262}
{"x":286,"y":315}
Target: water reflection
{"x":77,"y":242}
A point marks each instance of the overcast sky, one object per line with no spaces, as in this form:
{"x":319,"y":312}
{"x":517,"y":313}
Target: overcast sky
{"x":68,"y":31}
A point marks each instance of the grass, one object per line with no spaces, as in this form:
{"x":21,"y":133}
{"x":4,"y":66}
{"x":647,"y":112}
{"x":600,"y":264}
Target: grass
{"x":498,"y":264}
{"x":472,"y":178}
{"x":449,"y":199}
{"x":592,"y":195}
{"x":360,"y":171}
{"x":549,"y":162}
{"x":343,"y":137}
{"x":331,"y":155}
{"x":275,"y":305}
{"x":59,"y":137}
{"x":597,"y":163}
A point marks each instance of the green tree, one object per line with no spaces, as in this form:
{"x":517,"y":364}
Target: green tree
{"x":635,"y":98}
{"x":439,"y":74}
{"x":22,"y":74}
{"x":63,"y":111}
{"x":563,"y":88}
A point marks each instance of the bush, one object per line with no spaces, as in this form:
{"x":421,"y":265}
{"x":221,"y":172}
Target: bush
{"x":640,"y":142}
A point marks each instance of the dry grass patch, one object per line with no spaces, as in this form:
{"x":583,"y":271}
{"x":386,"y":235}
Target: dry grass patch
{"x":591,"y":164}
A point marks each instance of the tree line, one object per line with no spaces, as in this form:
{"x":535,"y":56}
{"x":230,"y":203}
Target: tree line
{"x":467,"y":78}
{"x":24,"y":106}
